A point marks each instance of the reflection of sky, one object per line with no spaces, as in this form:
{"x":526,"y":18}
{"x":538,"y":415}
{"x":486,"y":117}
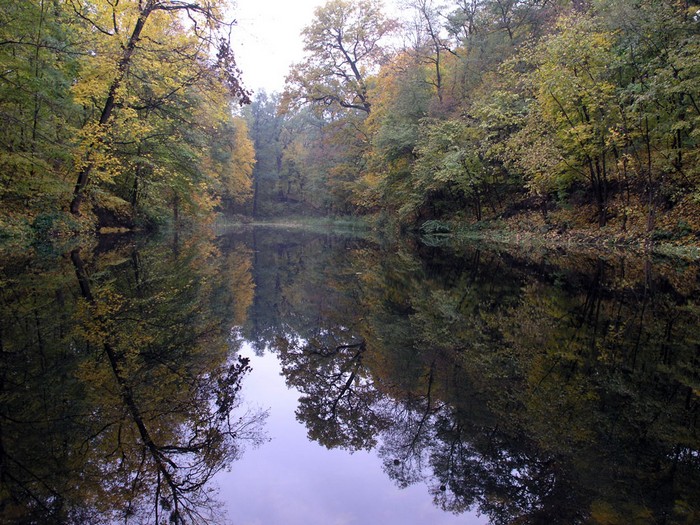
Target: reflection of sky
{"x":291,"y":480}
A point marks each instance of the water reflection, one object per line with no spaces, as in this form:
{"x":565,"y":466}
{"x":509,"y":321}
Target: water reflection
{"x":532,"y":388}
{"x":119,"y":387}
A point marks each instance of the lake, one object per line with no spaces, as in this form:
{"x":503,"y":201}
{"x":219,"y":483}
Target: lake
{"x":270,"y":375}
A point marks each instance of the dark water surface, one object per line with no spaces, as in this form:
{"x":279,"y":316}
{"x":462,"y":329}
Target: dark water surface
{"x":268,"y":376}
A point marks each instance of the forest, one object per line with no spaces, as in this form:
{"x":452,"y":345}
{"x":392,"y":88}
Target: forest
{"x":117,"y":115}
{"x":546,"y":116}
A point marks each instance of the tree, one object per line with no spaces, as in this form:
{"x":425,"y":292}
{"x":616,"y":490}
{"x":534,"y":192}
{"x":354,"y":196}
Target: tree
{"x":658,"y":141}
{"x":124,"y":27}
{"x":450,"y":167}
{"x":233,"y":161}
{"x":344,"y":46}
{"x":127,"y":94}
{"x":39,"y":57}
{"x":576,"y":96}
{"x":431,"y":44}
{"x":402,"y":98}
{"x":265,"y":127}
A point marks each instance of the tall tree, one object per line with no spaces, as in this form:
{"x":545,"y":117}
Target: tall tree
{"x":344,"y":46}
{"x":431,"y":43}
{"x":232,"y":162}
{"x":265,"y":127}
{"x":576,"y":95}
{"x":126,"y":26}
{"x":402,"y":99}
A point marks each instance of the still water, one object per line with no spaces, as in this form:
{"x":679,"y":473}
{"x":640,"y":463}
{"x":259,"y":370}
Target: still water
{"x":270,"y":376}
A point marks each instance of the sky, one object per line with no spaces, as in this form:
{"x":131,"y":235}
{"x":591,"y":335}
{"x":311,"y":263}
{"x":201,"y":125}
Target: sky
{"x":267,"y":39}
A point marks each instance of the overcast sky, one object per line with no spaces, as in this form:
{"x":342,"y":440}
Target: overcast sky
{"x":267,"y":39}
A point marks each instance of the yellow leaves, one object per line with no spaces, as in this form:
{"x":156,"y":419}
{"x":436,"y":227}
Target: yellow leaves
{"x":92,"y":149}
{"x":366,"y":192}
{"x":153,"y":103}
{"x":99,"y":319}
{"x":91,"y":87}
{"x":129,"y":124}
{"x":203,"y":201}
{"x":571,"y":75}
{"x":343,"y":45}
{"x":237,"y":176}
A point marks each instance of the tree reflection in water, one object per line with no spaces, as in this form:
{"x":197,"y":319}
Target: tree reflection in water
{"x":534,"y":389}
{"x":339,"y":404}
{"x":119,"y":386}
{"x":537,"y":390}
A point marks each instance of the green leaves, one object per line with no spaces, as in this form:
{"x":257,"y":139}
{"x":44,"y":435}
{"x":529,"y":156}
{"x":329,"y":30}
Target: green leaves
{"x":449,"y":160}
{"x":35,"y":106}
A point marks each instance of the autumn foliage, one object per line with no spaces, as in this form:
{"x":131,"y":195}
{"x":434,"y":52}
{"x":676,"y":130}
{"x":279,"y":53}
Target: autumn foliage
{"x":121,"y":112}
{"x":559,"y":115}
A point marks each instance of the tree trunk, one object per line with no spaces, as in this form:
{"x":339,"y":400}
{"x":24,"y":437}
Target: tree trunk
{"x":108,"y":108}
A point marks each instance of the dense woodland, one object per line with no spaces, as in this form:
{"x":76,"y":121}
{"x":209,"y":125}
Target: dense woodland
{"x":553,"y":114}
{"x":548,"y":113}
{"x":126,"y":105}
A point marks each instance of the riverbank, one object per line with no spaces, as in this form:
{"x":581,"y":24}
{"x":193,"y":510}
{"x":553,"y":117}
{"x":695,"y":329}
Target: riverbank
{"x":676,"y":233}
